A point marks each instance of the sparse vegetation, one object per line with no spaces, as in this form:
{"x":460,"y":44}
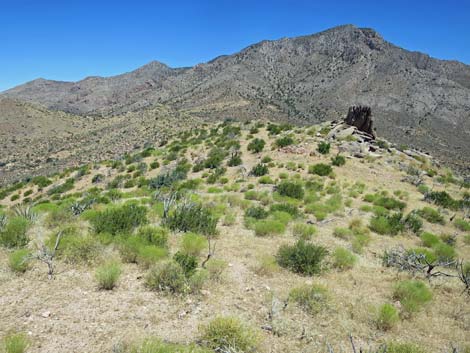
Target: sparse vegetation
{"x":107,"y":275}
{"x":302,"y":257}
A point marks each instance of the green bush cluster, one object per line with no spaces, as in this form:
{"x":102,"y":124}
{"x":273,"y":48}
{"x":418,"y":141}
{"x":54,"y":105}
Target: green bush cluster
{"x":291,"y":189}
{"x":284,"y":141}
{"x":324,"y":147}
{"x":259,"y":170}
{"x":320,"y":169}
{"x":256,"y":145}
{"x":302,"y":257}
{"x":388,"y":224}
{"x":192,"y":217}
{"x":386,"y":317}
{"x":338,"y":161}
{"x":19,"y":260}
{"x":119,"y":219}
{"x":412,"y":294}
{"x":107,"y":275}
{"x":14,"y":233}
{"x":343,"y":259}
{"x":312,"y":298}
{"x":431,"y":215}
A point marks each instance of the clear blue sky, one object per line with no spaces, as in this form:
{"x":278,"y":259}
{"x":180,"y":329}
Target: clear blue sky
{"x":72,"y":39}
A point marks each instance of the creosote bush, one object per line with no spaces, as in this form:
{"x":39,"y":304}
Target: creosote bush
{"x":338,"y":161}
{"x":229,"y":334}
{"x":107,"y":275}
{"x":302,"y":257}
{"x":167,"y":277}
{"x":431,"y":215}
{"x":14,"y":233}
{"x":259,"y":170}
{"x":304,"y":231}
{"x":312,"y":298}
{"x":192,"y":217}
{"x":343,"y":259}
{"x":256,"y":145}
{"x":291,"y":189}
{"x":193,"y":244}
{"x":320,"y":169}
{"x":323,"y":147}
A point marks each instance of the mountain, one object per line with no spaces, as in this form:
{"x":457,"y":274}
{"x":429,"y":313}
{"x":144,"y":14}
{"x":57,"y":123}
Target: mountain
{"x":416,"y":100}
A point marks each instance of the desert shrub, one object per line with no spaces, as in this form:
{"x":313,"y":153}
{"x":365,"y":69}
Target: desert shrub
{"x":389,"y":203}
{"x":214,"y":158}
{"x":386,"y":317}
{"x":462,"y":225}
{"x":256,"y":145}
{"x":338,"y":161}
{"x":41,"y":181}
{"x":265,"y":180}
{"x":256,"y":212}
{"x":304,"y":231}
{"x":320,"y":169}
{"x":58,"y":217}
{"x":404,"y":348}
{"x":291,"y":189}
{"x":235,"y":159}
{"x":429,"y":240}
{"x":14,"y":343}
{"x":187,"y":262}
{"x":449,"y":239}
{"x":431,"y":215}
{"x":444,"y":252}
{"x":267,"y":265}
{"x":284,"y":141}
{"x":343,"y":259}
{"x":129,"y":248}
{"x":64,"y":187}
{"x":466,"y":239}
{"x":168,"y":178}
{"x":311,"y":298}
{"x":285,"y":207}
{"x":192,"y":217}
{"x":119,"y":219}
{"x":148,"y":255}
{"x":79,"y":249}
{"x":389,"y":224}
{"x":302,"y":257}
{"x":193,"y":244}
{"x":359,"y":241}
{"x":412,"y":294}
{"x":412,"y":222}
{"x":107,"y":275}
{"x":343,"y":233}
{"x":259,"y":170}
{"x":19,"y":260}
{"x":167,"y":277}
{"x":229,"y":334}
{"x":153,"y":235}
{"x":216,"y":268}
{"x":442,"y":198}
{"x":14,"y":233}
{"x":268,"y":227}
{"x":323,"y":147}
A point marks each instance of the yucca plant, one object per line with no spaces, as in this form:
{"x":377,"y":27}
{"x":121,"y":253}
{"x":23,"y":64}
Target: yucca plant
{"x":26,"y":212}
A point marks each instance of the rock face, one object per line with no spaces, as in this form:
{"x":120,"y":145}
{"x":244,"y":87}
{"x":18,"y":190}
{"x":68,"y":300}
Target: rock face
{"x":417,"y":100}
{"x":361,"y":117}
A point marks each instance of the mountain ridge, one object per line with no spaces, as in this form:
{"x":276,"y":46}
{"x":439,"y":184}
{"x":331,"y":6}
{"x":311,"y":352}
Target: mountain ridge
{"x":417,"y":100}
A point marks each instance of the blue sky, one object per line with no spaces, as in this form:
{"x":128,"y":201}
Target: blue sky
{"x":69,"y":40}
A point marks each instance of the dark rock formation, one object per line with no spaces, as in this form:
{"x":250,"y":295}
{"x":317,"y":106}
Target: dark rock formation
{"x":361,"y":117}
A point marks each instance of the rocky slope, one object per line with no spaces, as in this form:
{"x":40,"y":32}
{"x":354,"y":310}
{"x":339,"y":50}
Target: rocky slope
{"x":417,"y":100}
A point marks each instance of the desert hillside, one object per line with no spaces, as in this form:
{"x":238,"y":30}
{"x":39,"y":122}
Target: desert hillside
{"x":238,"y":237}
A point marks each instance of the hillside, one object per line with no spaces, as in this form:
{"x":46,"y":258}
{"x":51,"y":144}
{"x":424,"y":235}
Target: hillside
{"x":417,"y":100}
{"x":240,"y":237}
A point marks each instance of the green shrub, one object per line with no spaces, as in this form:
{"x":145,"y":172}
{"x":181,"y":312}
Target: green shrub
{"x":291,"y":189}
{"x":462,"y":225}
{"x":338,"y":161}
{"x":107,"y":275}
{"x":412,"y":222}
{"x":167,"y":277}
{"x":285,"y":207}
{"x":256,"y":212}
{"x":193,"y":244}
{"x":412,"y":295}
{"x":304,"y":231}
{"x":323,"y":147}
{"x":320,"y":169}
{"x":431,"y":215}
{"x":343,"y":233}
{"x":235,"y":160}
{"x":129,"y":248}
{"x":154,"y":235}
{"x":119,"y":219}
{"x":386,"y":317}
{"x":265,"y":180}
{"x":343,"y":259}
{"x":389,"y":203}
{"x":404,"y":348}
{"x":64,"y":187}
{"x":256,"y":145}
{"x":268,"y":227}
{"x":389,"y":224}
{"x":359,"y":241}
{"x":149,"y":255}
{"x":442,"y":198}
{"x":14,"y":233}
{"x":19,"y":260}
{"x":311,"y":298}
{"x":14,"y":343}
{"x":229,"y":334}
{"x":41,"y":181}
{"x":429,"y":239}
{"x":214,"y":158}
{"x":284,"y":141}
{"x":79,"y":249}
{"x":259,"y":170}
{"x":187,"y":262}
{"x":444,"y":252}
{"x":302,"y":257}
{"x":192,"y":217}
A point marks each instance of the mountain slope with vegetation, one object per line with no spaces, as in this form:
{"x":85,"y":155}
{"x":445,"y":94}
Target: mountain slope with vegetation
{"x":417,"y":100}
{"x":229,"y":237}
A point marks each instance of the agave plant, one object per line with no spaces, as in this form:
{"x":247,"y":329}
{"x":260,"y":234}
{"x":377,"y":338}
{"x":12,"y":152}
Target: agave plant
{"x":26,"y":212}
{"x":3,"y":221}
